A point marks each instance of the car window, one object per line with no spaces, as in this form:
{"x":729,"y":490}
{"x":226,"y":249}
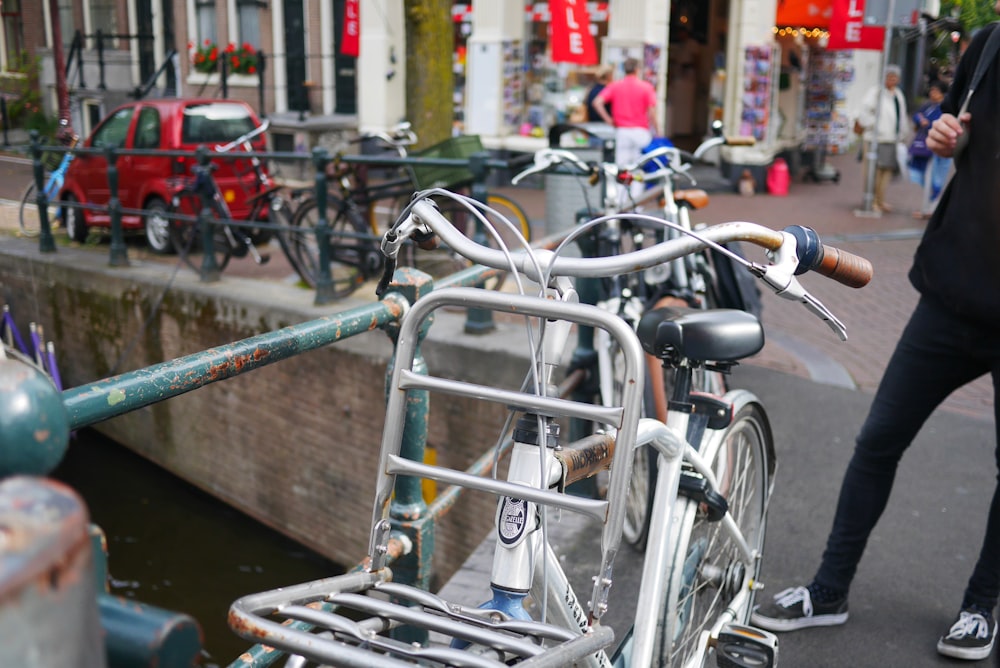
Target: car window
{"x":147,"y":130}
{"x":113,"y":130}
{"x":216,"y":123}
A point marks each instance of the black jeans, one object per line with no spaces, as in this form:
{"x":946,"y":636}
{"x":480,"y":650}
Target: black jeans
{"x":937,"y":353}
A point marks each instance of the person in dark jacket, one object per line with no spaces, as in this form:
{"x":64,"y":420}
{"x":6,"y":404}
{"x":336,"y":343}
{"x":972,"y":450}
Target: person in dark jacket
{"x":952,"y":338}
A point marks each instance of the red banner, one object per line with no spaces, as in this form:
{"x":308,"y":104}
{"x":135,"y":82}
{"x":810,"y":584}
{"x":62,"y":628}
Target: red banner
{"x":848,"y":29}
{"x":571,"y":38}
{"x":352,"y":29}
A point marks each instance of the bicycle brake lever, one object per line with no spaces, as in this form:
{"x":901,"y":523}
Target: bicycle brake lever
{"x":387,"y":272}
{"x":788,"y":287}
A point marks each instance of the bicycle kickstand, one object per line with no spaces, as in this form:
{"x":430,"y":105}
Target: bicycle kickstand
{"x":258,"y":257}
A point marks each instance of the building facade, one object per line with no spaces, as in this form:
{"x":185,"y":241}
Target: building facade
{"x":738,"y":61}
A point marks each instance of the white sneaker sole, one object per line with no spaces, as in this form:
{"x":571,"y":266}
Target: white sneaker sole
{"x":771,"y":624}
{"x":967,"y":653}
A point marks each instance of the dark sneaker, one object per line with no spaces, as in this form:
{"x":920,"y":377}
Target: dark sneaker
{"x":970,"y":637}
{"x":793,"y":609}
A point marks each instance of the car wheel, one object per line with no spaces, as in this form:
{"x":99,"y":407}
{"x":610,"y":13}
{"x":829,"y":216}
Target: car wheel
{"x":76,"y":226}
{"x":158,"y":227}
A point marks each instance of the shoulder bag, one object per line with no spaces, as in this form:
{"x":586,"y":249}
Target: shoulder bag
{"x":986,"y":59}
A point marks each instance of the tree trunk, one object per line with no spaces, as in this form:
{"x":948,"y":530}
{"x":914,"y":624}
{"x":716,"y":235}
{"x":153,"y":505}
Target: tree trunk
{"x":429,"y":78}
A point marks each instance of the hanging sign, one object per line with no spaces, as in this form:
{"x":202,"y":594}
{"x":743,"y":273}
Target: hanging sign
{"x":352,"y":29}
{"x":571,"y":38}
{"x":848,"y":29}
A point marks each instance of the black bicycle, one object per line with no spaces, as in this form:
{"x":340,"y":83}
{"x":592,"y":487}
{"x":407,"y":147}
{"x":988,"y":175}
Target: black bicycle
{"x":359,"y":208}
{"x":198,"y":195}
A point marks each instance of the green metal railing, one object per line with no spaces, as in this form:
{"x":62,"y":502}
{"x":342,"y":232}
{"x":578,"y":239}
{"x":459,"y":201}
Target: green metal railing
{"x":480,"y":165}
{"x":413,"y":521}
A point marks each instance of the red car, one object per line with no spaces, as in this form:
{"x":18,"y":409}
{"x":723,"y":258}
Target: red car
{"x":148,"y":182}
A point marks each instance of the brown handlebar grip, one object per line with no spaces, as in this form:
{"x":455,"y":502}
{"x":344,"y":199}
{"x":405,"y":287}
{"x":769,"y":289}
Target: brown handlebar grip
{"x":852,"y":270}
{"x":740,"y":141}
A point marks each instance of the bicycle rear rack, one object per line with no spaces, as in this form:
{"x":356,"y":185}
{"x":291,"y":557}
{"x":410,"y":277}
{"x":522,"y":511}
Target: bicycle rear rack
{"x":351,"y":614}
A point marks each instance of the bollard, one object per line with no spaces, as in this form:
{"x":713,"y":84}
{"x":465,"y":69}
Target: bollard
{"x":6,"y":120}
{"x":119,"y":255}
{"x":46,"y":242}
{"x":49,"y":616}
{"x":478,"y":320}
{"x":324,"y":281}
{"x":34,"y":423}
{"x":407,"y":510}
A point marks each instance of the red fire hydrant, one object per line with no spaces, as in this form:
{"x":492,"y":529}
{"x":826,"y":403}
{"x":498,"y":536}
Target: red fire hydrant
{"x":778,"y":178}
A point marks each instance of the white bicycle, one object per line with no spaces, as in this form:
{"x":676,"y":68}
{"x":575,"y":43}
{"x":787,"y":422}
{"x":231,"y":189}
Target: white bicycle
{"x":706,"y":533}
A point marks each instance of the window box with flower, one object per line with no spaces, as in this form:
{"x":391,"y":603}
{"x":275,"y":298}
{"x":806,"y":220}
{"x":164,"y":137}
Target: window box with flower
{"x":242,"y":59}
{"x":205,"y":58}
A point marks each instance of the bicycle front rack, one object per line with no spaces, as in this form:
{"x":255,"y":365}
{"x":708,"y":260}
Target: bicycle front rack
{"x":351,"y":615}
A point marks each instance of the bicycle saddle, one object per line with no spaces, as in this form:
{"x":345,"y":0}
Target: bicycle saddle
{"x":718,"y":335}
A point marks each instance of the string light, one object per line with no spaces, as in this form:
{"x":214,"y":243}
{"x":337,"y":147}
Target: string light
{"x":808,"y":33}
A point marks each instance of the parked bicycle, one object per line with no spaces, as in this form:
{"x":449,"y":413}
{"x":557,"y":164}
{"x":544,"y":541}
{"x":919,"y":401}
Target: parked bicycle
{"x":715,"y":455}
{"x":686,"y":281}
{"x":31,"y":225}
{"x":359,"y":207}
{"x":270,"y":209}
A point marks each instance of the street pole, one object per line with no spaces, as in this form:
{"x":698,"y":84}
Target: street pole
{"x":59,"y":63}
{"x":868,"y":204}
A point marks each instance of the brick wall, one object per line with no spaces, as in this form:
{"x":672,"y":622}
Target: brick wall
{"x":294,"y":444}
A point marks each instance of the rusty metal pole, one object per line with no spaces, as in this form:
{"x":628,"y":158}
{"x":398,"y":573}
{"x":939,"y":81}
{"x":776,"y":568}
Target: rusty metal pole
{"x":59,"y":63}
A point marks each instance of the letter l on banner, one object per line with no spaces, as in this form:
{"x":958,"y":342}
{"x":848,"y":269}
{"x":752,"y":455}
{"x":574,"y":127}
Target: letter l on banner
{"x":848,"y":29}
{"x":352,"y":29}
{"x":571,"y":38}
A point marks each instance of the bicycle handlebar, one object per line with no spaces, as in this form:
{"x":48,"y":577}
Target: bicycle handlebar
{"x":239,"y":141}
{"x":547,"y":158}
{"x":792,"y":251}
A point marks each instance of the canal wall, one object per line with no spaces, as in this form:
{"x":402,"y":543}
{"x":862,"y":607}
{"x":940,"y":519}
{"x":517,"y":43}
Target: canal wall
{"x":293,"y":444}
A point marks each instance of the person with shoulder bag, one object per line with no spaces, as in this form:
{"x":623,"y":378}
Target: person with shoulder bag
{"x":952,"y":338}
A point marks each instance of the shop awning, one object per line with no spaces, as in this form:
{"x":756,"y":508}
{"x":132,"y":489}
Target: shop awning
{"x":804,"y":13}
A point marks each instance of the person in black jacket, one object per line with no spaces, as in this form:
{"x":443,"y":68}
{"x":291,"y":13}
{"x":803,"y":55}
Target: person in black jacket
{"x":952,"y":338}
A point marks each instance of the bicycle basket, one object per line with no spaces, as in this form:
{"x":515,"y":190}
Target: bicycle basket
{"x":442,"y":176}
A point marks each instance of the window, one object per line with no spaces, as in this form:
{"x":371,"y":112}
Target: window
{"x":67,"y":24}
{"x":147,"y":129}
{"x":103,"y":17}
{"x":205,"y":17}
{"x":248,"y":20}
{"x":12,"y":21}
{"x":114,"y":130}
{"x":218,"y":122}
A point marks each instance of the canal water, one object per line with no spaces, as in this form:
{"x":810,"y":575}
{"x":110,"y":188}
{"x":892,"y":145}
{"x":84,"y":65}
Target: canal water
{"x":173,"y":546}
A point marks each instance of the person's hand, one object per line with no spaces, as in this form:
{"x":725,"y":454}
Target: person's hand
{"x":944,"y":134}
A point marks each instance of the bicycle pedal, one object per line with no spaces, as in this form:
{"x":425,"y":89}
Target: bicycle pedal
{"x":741,"y":646}
{"x":263,"y":258}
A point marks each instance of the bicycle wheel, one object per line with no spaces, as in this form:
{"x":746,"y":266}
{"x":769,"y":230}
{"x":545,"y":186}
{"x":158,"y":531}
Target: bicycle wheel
{"x":29,"y":221}
{"x":352,"y":253}
{"x":443,"y":261}
{"x":185,"y":234}
{"x":708,"y":571}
